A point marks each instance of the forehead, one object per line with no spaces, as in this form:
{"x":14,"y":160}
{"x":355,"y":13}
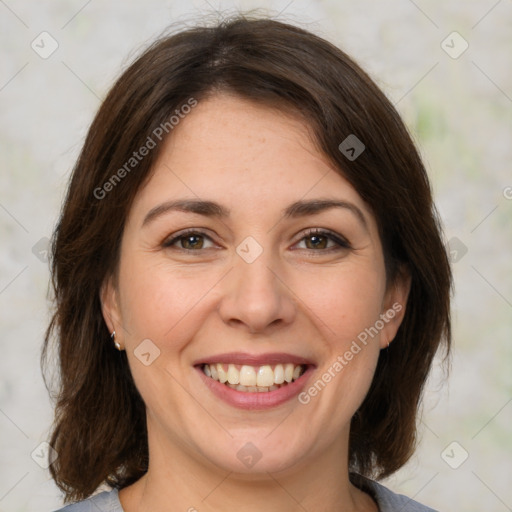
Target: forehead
{"x":245,"y":154}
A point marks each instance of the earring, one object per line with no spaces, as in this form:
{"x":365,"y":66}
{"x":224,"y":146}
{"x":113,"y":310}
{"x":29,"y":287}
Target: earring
{"x":113,"y":338}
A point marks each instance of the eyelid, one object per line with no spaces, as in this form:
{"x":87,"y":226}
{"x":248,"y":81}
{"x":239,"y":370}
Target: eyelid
{"x":175,"y":237}
{"x":340,"y":241}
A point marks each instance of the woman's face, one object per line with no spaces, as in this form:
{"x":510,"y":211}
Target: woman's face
{"x":258,"y":278}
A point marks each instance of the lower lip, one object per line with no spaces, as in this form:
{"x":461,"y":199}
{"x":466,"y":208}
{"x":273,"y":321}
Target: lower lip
{"x":256,"y":400}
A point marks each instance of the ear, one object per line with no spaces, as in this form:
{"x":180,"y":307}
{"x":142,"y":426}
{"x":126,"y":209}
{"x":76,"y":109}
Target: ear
{"x":394,"y":306}
{"x":110,"y":306}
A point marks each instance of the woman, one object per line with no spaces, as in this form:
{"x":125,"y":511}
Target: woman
{"x":250,"y":225}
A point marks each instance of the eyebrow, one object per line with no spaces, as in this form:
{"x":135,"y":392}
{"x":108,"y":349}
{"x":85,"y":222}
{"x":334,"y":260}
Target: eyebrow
{"x":297,"y":209}
{"x":314,"y":206}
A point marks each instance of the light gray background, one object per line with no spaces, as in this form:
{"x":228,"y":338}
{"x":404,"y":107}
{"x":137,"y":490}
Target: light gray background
{"x":458,"y":109}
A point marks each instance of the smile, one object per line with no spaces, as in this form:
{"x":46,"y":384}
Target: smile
{"x":254,"y":379}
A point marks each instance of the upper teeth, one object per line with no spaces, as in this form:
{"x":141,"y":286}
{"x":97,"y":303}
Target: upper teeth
{"x":262,"y":376}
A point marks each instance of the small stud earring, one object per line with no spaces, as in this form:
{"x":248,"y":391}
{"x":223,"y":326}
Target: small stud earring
{"x":116,"y":343}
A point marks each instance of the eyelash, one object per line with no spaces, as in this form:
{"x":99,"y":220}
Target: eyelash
{"x":340,"y":241}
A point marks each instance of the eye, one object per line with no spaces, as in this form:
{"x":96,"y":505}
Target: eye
{"x":190,"y":240}
{"x":318,"y":240}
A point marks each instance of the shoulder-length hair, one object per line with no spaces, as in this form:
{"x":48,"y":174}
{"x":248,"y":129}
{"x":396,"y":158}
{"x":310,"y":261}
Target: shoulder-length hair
{"x":99,"y":430}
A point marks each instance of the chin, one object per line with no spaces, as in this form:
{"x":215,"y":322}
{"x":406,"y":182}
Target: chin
{"x":256,"y":455}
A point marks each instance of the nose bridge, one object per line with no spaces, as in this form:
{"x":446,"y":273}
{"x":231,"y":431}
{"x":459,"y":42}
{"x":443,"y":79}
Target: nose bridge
{"x":255,"y":277}
{"x":254,"y":295}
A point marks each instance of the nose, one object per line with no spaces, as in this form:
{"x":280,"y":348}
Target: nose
{"x":256,"y":297}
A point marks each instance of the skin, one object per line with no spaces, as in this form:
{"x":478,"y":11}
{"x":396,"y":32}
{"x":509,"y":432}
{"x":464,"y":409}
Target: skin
{"x":302,"y":295}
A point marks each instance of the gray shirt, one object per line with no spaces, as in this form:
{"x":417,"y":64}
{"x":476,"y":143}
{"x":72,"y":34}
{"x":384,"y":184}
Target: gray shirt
{"x":388,"y":501}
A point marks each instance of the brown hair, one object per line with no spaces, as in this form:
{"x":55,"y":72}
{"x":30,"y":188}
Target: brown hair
{"x":100,"y":425}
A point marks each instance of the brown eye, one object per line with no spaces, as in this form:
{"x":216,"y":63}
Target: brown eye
{"x":189,"y":241}
{"x":192,"y":242}
{"x":318,"y":240}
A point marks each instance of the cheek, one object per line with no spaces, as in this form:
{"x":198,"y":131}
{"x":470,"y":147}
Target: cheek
{"x":345,"y":303}
{"x":159,"y":298}
{"x":344,"y":308}
{"x":160,"y":304}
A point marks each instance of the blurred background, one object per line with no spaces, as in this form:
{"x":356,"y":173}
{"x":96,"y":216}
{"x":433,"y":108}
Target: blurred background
{"x":447,"y":66}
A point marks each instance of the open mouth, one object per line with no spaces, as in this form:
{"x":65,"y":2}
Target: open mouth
{"x":254,"y":379}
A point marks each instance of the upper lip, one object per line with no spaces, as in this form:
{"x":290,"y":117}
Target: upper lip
{"x":254,"y":359}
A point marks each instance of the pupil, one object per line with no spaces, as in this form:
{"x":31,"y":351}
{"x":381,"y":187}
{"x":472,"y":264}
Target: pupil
{"x":317,"y":241}
{"x":193,"y":244}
